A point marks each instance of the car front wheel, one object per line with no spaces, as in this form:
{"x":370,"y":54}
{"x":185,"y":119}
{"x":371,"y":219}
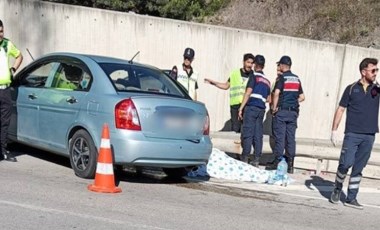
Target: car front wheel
{"x":83,"y":154}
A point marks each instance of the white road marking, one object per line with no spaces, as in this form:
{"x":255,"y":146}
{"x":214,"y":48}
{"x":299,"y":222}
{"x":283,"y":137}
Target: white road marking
{"x":280,"y":190}
{"x":98,"y":218}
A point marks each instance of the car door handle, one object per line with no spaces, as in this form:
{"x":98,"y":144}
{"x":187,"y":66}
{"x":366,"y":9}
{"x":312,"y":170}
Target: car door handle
{"x":71,"y":100}
{"x":32,"y":96}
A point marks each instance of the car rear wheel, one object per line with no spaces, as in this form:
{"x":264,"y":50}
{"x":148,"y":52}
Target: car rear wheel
{"x":83,"y":154}
{"x":176,"y":173}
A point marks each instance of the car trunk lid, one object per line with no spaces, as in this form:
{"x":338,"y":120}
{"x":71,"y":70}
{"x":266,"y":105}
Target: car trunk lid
{"x":170,"y":118}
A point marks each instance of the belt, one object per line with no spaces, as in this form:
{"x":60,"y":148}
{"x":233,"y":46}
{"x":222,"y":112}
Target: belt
{"x":289,"y":109}
{"x":3,"y":86}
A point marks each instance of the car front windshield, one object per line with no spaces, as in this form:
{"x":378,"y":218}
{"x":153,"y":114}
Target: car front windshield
{"x":140,"y":79}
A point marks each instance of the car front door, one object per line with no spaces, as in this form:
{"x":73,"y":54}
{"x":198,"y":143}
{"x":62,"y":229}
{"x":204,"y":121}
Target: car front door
{"x":62,"y":102}
{"x":26,"y":97}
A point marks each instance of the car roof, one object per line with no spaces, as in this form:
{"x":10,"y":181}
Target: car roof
{"x":100,"y":59}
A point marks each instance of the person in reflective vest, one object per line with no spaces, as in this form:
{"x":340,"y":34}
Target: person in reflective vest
{"x":236,"y":83}
{"x":186,"y":75}
{"x":7,"y":50}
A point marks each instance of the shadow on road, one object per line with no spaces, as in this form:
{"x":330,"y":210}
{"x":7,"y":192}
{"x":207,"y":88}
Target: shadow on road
{"x":325,"y":187}
{"x":20,"y":149}
{"x":141,"y":175}
{"x":151,"y":176}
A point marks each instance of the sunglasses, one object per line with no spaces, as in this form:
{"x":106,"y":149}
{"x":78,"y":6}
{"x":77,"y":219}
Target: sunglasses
{"x":373,"y":70}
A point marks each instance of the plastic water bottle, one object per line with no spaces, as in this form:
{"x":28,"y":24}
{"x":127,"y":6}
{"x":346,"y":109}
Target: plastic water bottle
{"x":282,"y":170}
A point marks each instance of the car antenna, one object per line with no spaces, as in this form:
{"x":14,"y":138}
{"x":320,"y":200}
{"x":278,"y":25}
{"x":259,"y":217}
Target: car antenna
{"x":131,"y":61}
{"x":30,"y":54}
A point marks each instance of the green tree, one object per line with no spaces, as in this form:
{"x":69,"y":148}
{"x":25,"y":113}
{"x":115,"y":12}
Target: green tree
{"x":176,"y":9}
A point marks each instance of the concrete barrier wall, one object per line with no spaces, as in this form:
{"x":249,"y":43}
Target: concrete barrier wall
{"x":324,"y":68}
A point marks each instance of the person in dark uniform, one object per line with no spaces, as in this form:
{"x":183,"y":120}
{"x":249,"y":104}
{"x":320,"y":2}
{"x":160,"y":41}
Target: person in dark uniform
{"x":7,"y":50}
{"x":256,"y":95}
{"x":288,"y":93}
{"x":361,"y":99}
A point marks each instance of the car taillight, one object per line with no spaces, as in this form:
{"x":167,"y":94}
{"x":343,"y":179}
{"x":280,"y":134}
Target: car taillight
{"x":126,"y":116}
{"x":206,"y":126}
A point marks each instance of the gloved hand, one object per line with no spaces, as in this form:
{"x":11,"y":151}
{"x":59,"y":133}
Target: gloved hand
{"x":334,"y":137}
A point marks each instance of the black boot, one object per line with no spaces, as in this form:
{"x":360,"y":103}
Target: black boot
{"x":273,"y":164}
{"x":244,"y":158}
{"x":255,"y":162}
{"x":9,"y":157}
{"x":290,"y":165}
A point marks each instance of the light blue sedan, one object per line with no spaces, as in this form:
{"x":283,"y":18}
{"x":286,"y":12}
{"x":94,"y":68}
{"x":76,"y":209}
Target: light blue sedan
{"x":62,"y":100}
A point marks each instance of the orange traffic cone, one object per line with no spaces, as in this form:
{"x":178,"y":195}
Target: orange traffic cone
{"x":104,"y":178}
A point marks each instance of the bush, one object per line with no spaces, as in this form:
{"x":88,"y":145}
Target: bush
{"x":176,"y":9}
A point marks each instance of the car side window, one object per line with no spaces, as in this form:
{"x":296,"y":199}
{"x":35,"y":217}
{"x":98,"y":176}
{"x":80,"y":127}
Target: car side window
{"x":70,"y":77}
{"x":154,"y":81}
{"x":126,"y":77}
{"x":149,"y":80}
{"x":38,"y":77}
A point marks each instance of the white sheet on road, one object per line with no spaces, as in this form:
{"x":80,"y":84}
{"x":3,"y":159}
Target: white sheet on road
{"x":222,"y":166}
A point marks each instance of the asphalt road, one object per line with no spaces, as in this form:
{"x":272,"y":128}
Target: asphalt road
{"x":40,"y":191}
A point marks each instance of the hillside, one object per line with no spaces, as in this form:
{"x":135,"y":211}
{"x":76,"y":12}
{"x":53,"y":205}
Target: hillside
{"x":354,"y":22}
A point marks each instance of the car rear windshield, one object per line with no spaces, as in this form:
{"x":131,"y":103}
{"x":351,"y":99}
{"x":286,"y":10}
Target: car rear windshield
{"x":142,"y":79}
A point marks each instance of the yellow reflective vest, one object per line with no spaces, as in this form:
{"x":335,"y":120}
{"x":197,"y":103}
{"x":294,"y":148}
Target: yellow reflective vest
{"x":7,"y":50}
{"x":237,"y":87}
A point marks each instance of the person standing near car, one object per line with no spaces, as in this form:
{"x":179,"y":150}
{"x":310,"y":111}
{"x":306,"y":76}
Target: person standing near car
{"x":361,"y":99}
{"x":7,"y":50}
{"x":256,"y":95}
{"x":288,"y":94}
{"x":186,"y":75}
{"x":236,"y":83}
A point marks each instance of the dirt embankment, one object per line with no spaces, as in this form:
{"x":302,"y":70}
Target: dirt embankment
{"x":354,"y":22}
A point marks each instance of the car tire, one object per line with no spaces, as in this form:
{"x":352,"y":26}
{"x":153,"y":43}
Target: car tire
{"x":176,"y":173}
{"x":83,"y":154}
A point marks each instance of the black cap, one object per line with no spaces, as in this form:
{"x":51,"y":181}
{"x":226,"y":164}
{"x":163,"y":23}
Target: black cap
{"x":189,"y":53}
{"x":285,"y":60}
{"x":259,"y":60}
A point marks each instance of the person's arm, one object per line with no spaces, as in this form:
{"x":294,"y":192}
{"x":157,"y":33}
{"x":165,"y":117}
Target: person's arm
{"x":344,"y":101}
{"x":338,"y":117}
{"x":220,"y":85}
{"x":301,"y":96}
{"x":269,"y":99}
{"x":276,"y":96}
{"x":14,"y":52}
{"x":17,"y":62}
{"x":278,"y":86}
{"x":247,"y":94}
{"x":196,"y":91}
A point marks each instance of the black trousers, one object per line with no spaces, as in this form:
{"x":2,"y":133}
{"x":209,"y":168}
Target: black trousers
{"x":5,"y":116}
{"x":235,"y":122}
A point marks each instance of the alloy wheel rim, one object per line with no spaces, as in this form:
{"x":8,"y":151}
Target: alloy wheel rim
{"x":80,"y":153}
